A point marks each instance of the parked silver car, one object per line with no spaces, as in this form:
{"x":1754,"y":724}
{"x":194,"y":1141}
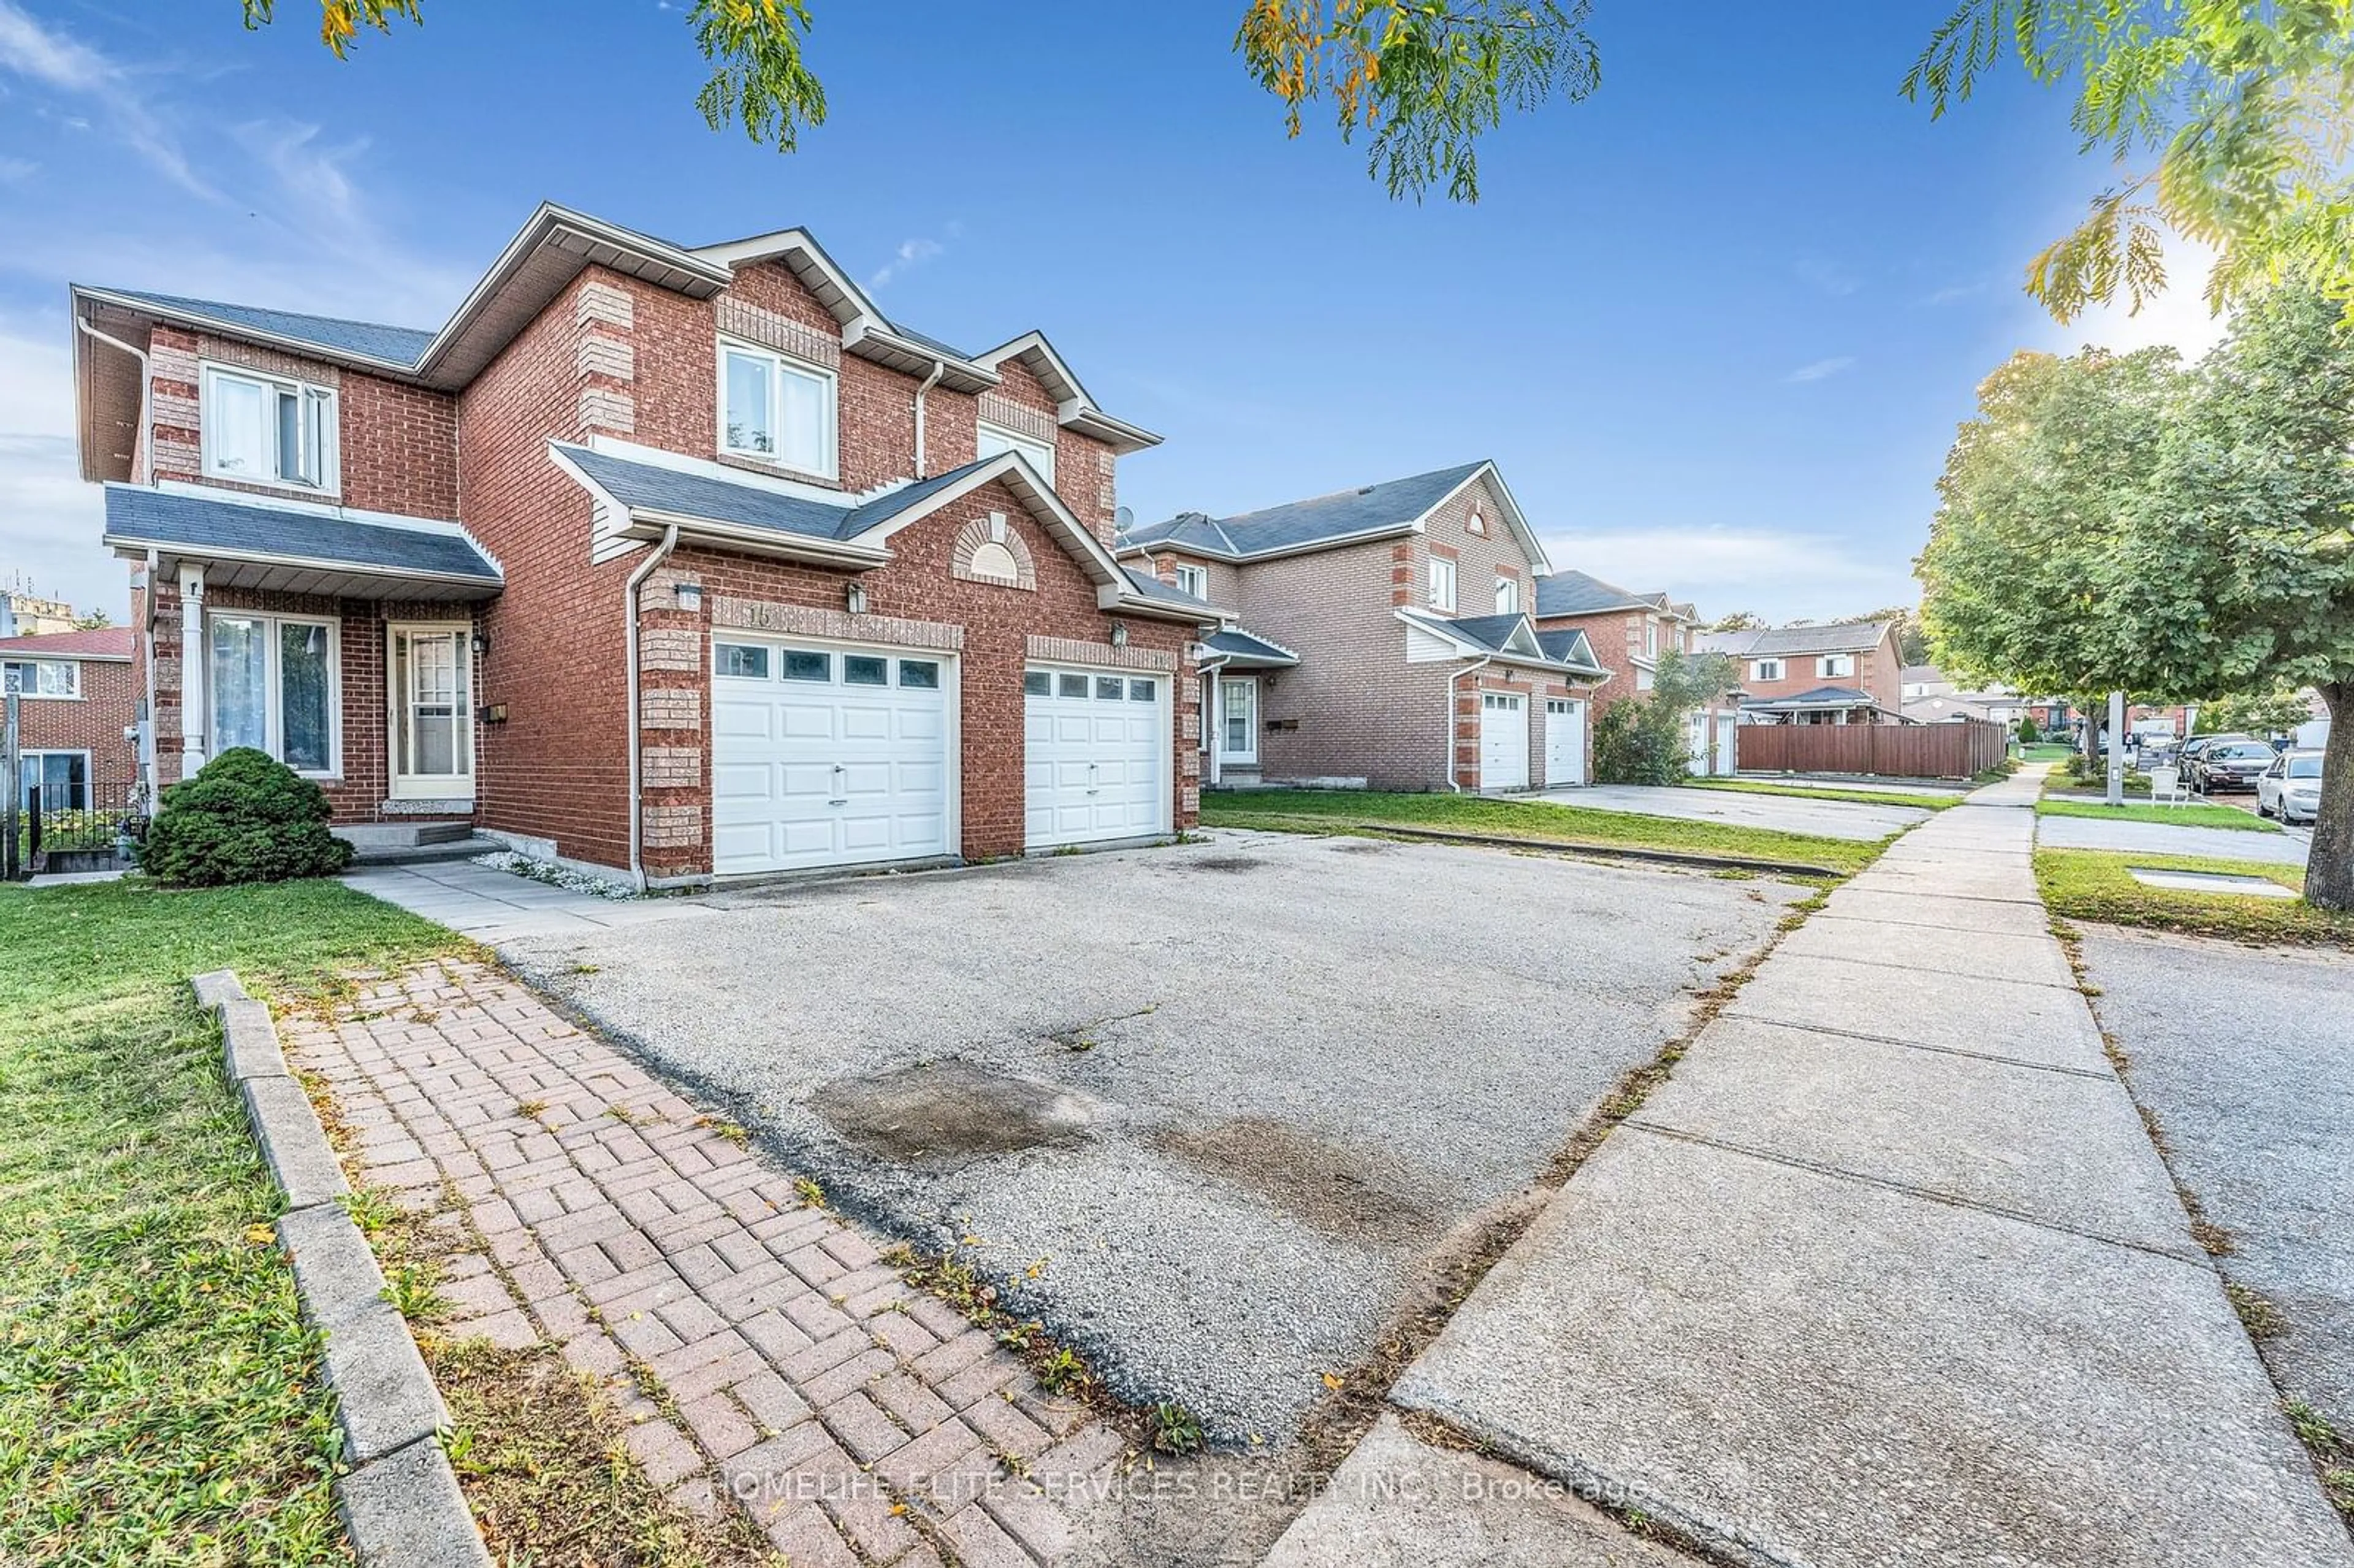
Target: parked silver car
{"x":2291,"y":788}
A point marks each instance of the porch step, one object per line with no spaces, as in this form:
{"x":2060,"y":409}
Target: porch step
{"x":464,"y":848}
{"x":403,"y":835}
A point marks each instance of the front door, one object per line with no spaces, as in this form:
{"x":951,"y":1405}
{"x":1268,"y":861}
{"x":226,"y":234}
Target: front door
{"x":432,"y":700}
{"x":1238,"y":720}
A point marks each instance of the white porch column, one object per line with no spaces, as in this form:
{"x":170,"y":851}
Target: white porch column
{"x":193,"y":703}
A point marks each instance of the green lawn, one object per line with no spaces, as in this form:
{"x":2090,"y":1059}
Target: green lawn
{"x":2097,"y":885}
{"x":2143,"y":812}
{"x":2045,"y":751}
{"x":1924,"y":802}
{"x":160,"y":1399}
{"x":1346,"y":810}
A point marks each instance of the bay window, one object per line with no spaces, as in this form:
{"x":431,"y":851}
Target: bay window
{"x":992,"y":440}
{"x":274,"y":688}
{"x":265,"y":429}
{"x":777,"y":409}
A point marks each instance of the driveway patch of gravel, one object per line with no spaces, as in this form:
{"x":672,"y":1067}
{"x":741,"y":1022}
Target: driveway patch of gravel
{"x":1203,"y":1109}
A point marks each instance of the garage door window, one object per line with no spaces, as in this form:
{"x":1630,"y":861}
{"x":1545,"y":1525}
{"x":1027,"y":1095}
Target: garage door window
{"x":1139,"y":691}
{"x":799,"y":666}
{"x":857,"y":670}
{"x":743,"y":661}
{"x":923,"y":674}
{"x":1037,"y":683}
{"x":1109,"y":688}
{"x":1074,"y":685}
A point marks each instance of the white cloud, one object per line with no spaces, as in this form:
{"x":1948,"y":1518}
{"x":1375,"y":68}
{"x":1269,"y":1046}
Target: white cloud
{"x":1822,"y":370}
{"x":912,"y":253}
{"x":13,"y":170}
{"x":1780,"y":576}
{"x":66,"y":64}
{"x":49,"y":520}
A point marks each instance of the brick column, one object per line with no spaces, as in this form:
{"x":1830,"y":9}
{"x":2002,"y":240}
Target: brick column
{"x":674,"y":761}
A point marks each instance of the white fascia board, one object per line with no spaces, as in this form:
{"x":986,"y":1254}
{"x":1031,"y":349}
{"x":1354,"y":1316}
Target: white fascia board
{"x":1075,"y":406}
{"x":131,"y":546}
{"x":760,"y":541}
{"x":1126,"y":600}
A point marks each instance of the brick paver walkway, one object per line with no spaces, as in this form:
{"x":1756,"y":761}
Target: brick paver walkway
{"x":858,"y":1419}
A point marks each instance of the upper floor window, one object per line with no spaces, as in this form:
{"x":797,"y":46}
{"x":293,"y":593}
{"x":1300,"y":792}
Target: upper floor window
{"x":1832,"y":664}
{"x":42,"y":678}
{"x":1650,"y":637}
{"x":1508,"y":596}
{"x":996,"y":438}
{"x":1765,"y":668}
{"x":1195,"y":580}
{"x":1442,"y":585}
{"x":775,"y":409}
{"x":266,"y":429}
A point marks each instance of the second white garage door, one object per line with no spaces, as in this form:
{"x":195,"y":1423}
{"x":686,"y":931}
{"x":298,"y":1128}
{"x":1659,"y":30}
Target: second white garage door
{"x":827,"y":756}
{"x":1095,"y":756}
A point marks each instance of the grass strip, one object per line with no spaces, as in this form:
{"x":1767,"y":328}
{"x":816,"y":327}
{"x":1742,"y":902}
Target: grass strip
{"x":2099,"y":886}
{"x":1920,"y":801}
{"x":2230,"y":817}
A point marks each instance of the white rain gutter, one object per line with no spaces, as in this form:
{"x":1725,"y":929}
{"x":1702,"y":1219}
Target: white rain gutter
{"x":1452,"y":782}
{"x":143,"y":446}
{"x":629,"y":640}
{"x":1213,"y":724}
{"x":939,"y":368}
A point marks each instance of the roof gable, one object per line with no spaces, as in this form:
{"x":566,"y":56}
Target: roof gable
{"x":1394,"y":505}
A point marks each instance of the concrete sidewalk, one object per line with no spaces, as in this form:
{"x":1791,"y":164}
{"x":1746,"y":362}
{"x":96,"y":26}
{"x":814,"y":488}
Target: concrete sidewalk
{"x":1888,"y":1273}
{"x":495,"y":906}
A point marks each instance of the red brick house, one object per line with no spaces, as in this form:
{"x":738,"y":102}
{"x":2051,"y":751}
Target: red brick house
{"x":1628,"y":632}
{"x":675,"y":563}
{"x":1382,"y":638}
{"x":78,"y":701}
{"x":1846,"y":672}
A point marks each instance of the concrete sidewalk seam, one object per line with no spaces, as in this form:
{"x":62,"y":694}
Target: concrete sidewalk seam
{"x":2096,"y":1075}
{"x":2191,"y":1255}
{"x":1914,"y":969}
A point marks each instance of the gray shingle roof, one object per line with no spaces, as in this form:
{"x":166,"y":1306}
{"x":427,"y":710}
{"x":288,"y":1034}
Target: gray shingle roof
{"x":1239,"y":644}
{"x":1842,"y":636}
{"x":1820,"y":697}
{"x":1390,"y":505}
{"x":395,"y":345}
{"x":1487,"y":631}
{"x":1581,"y":593}
{"x":1569,"y":647}
{"x":656,"y":488}
{"x":1150,"y":586}
{"x":179,"y":521}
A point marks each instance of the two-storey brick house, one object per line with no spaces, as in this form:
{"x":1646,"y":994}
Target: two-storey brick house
{"x":677,"y":563}
{"x":1849,"y":672}
{"x":78,"y":703}
{"x":1381,"y":638}
{"x":1628,"y":632}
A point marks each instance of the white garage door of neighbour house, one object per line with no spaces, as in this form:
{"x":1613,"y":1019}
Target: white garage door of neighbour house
{"x":828,"y":755}
{"x":1504,"y":741}
{"x":1094,"y":753}
{"x":1564,"y":741}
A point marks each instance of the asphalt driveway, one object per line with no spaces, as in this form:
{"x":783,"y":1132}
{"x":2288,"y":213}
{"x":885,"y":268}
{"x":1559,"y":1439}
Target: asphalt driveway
{"x":2246,"y":1056}
{"x":1784,"y":813}
{"x":1205,"y":1108}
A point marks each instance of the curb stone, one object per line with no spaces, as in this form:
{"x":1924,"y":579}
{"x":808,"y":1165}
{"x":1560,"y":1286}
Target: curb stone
{"x":401,"y":1503}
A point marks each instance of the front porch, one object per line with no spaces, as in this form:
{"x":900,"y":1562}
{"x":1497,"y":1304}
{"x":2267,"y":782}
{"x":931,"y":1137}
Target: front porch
{"x":1236,"y":666}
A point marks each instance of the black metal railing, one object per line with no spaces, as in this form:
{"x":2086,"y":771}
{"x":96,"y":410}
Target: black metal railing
{"x":88,"y":824}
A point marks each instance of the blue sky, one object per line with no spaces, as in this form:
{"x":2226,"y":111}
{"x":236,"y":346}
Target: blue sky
{"x":1717,"y":324}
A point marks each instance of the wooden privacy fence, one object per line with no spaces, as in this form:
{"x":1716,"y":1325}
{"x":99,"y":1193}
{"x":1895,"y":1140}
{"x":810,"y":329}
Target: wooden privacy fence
{"x":1956,"y":750}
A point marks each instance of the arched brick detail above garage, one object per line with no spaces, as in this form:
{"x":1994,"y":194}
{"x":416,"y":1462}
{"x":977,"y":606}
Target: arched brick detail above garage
{"x":988,"y":550}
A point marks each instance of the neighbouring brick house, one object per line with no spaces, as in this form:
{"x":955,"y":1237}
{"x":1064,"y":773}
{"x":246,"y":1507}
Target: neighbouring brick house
{"x":1628,"y":632}
{"x":672,"y":562}
{"x":78,"y":701}
{"x":1382,"y":638}
{"x":1849,"y":672}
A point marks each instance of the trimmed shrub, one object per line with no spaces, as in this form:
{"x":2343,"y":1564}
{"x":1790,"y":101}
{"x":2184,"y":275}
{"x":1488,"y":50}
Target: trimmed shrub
{"x":2028,"y":732}
{"x":243,"y":818}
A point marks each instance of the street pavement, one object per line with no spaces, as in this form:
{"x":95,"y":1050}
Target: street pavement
{"x":1888,"y":1273}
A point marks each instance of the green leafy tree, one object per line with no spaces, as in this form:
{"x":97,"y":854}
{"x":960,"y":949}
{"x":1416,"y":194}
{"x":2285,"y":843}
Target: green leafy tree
{"x":2029,"y":731}
{"x":95,"y":621}
{"x":1911,"y":643}
{"x":2254,"y":713}
{"x":2228,"y":120}
{"x":1646,"y":739}
{"x":1739,"y":620}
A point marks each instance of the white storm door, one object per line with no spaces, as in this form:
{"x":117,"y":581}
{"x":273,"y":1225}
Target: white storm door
{"x":827,"y":756}
{"x":1504,"y":741}
{"x":1564,"y":741}
{"x":1096,"y":759}
{"x":1725,"y":743}
{"x":431,"y":698}
{"x":1238,"y":719}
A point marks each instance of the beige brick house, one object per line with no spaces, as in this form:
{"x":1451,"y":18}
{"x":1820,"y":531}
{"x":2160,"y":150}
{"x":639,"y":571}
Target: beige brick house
{"x":1382,"y":638}
{"x":1628,"y":632}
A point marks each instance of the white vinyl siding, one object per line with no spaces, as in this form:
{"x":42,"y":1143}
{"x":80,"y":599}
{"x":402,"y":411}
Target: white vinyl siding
{"x":994,"y":439}
{"x":265,"y":429}
{"x":777,"y":409}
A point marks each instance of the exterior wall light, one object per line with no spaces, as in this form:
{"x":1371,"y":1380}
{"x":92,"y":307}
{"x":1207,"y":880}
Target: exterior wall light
{"x":482,"y":641}
{"x":1119,"y":634}
{"x":855,"y":598}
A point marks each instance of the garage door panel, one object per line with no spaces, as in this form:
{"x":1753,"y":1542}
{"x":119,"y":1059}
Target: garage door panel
{"x":735,"y":718}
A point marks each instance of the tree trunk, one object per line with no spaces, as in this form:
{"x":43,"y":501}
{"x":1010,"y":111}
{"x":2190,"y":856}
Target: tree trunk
{"x":2329,"y":866}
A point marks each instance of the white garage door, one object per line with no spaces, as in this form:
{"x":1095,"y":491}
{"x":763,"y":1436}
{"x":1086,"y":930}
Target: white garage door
{"x":1095,"y":756}
{"x":826,"y":755}
{"x":1503,"y":742}
{"x":1564,"y":741}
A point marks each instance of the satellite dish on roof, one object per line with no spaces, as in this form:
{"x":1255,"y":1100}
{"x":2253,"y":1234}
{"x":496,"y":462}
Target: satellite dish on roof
{"x":1123,"y":520}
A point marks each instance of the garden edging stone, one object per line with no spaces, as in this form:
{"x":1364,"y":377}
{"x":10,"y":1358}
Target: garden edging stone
{"x":401,"y":1505}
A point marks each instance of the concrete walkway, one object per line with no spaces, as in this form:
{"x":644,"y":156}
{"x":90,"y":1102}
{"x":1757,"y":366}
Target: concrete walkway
{"x":1783,"y":813}
{"x":2170,"y":838}
{"x":1888,"y":1273}
{"x":494,"y":907}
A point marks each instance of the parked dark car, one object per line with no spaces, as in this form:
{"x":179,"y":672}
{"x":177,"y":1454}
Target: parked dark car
{"x":2199,"y":743}
{"x":2229,"y":765}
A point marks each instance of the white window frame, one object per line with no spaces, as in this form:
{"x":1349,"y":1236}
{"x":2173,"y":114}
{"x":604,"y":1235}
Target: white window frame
{"x":330,"y":479}
{"x":1508,"y":595}
{"x":828,"y":438}
{"x":1650,"y":638}
{"x":73,"y":678}
{"x":1040,"y":453}
{"x":274,"y":718}
{"x":1834,"y":666}
{"x":1758,"y":668}
{"x":1249,"y":756}
{"x":27,"y":757}
{"x":1195,"y":580}
{"x":1442,"y":584}
{"x":402,"y":785}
